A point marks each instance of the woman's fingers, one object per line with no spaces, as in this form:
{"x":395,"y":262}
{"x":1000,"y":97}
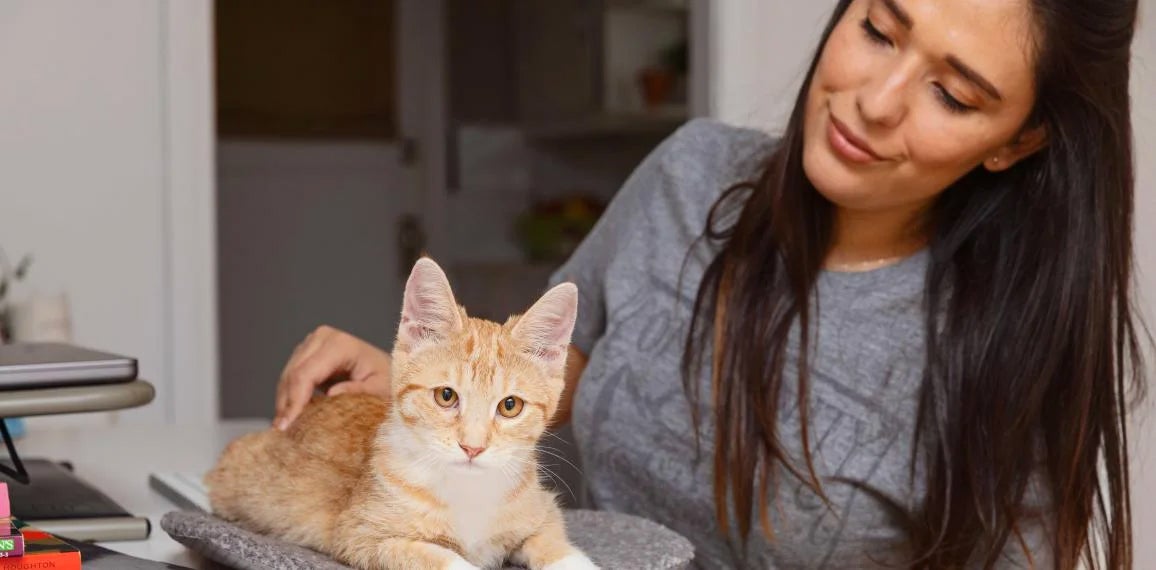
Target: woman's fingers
{"x":323,"y":354}
{"x":347,"y":387}
{"x":307,"y":346}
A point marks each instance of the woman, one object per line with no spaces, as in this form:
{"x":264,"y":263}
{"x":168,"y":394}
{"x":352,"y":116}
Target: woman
{"x":905,"y":333}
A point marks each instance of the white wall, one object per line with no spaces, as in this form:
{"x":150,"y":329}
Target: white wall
{"x":1144,"y":123}
{"x":757,"y":57}
{"x":88,"y":146}
{"x":758,"y":52}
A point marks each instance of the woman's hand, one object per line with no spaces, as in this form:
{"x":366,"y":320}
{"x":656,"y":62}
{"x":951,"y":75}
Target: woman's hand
{"x":324,"y":354}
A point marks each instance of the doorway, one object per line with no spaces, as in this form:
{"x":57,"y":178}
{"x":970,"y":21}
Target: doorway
{"x":313,"y":181}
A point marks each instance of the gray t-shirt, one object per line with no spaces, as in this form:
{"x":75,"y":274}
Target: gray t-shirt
{"x":632,"y":419}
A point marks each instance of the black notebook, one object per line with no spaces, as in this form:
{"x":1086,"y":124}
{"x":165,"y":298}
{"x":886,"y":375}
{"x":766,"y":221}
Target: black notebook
{"x":57,"y":501}
{"x":54,"y":492}
{"x":95,"y":557}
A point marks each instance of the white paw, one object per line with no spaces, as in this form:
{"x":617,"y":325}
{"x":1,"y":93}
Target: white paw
{"x":461,"y":564}
{"x":576,"y":561}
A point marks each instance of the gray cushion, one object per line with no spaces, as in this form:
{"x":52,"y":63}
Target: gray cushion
{"x":613,"y":541}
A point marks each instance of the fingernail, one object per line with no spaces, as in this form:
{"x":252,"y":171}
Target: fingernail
{"x":281,"y":425}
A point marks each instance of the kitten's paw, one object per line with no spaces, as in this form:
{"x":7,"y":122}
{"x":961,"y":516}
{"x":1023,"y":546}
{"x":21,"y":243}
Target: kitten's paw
{"x":461,"y":564}
{"x":576,"y":561}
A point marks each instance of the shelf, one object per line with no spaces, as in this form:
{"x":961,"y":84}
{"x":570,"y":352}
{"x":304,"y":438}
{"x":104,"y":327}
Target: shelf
{"x":74,"y":399}
{"x":652,"y":123}
{"x":661,"y":5}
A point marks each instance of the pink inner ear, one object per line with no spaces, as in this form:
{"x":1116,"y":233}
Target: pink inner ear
{"x":548,"y":353}
{"x":553,"y":328}
{"x":545,"y":329}
{"x":429,"y":312}
{"x":416,"y":332}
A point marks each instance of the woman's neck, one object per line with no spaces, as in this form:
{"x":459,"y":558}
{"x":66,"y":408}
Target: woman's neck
{"x":875,"y":237}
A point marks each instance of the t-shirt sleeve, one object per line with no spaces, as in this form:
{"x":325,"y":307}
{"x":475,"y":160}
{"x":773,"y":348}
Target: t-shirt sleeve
{"x":623,"y":221}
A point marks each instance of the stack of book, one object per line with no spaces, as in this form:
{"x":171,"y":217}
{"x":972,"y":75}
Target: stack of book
{"x":23,"y":547}
{"x":11,"y":541}
{"x":61,"y":378}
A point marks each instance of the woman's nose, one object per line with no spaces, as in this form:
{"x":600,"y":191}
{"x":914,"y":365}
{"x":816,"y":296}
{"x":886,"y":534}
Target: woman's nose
{"x":883,"y":100}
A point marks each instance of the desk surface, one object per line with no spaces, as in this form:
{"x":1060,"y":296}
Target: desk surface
{"x":118,"y":460}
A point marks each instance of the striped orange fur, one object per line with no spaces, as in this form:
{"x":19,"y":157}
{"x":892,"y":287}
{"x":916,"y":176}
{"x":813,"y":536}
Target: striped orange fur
{"x":401,"y":484}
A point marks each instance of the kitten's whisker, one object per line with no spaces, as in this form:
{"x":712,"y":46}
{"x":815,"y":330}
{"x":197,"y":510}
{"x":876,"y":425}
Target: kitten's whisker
{"x":544,"y":470}
{"x":559,"y":479}
{"x":555,"y":436}
{"x":521,"y":462}
{"x":510,"y":470}
{"x":548,"y":451}
{"x":543,"y":445}
{"x":540,"y":469}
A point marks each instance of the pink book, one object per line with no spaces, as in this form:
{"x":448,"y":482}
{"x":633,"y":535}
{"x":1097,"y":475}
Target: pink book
{"x":11,"y":541}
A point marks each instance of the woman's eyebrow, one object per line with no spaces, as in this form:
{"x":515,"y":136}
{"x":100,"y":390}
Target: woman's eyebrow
{"x":974,"y":77}
{"x":899,"y":13}
{"x":963,"y":69}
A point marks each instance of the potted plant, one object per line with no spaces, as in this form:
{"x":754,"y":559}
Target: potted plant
{"x":9,"y":276}
{"x":660,"y":82}
{"x":552,"y":229}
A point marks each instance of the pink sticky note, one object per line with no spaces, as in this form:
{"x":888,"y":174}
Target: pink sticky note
{"x":5,"y":508}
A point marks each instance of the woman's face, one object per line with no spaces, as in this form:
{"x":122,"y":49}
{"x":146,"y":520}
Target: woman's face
{"x":910,"y":95}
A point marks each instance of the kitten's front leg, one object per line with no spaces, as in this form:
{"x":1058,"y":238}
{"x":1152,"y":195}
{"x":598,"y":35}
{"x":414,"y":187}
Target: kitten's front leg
{"x":405,"y":554}
{"x":549,"y":549}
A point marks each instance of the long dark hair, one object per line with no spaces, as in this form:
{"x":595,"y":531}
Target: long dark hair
{"x":1032,"y":336}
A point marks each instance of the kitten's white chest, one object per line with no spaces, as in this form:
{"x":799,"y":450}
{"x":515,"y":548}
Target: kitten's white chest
{"x":474,"y":502}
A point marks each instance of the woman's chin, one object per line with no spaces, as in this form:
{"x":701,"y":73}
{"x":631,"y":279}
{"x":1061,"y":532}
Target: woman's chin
{"x":833,"y":182}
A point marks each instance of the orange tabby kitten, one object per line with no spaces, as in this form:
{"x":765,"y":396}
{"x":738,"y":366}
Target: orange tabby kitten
{"x":446,"y":476}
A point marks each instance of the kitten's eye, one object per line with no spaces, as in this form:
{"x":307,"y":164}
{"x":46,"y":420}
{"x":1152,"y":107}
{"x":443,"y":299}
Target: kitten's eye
{"x":511,"y":407}
{"x":445,"y":397}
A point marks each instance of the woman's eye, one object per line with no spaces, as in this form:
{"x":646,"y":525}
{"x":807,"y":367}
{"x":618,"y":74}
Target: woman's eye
{"x":511,"y":407}
{"x":874,"y":34}
{"x":445,"y":397}
{"x":954,"y":105}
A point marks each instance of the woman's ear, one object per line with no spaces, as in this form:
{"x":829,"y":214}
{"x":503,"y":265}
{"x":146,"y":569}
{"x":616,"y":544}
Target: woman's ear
{"x":1026,"y":144}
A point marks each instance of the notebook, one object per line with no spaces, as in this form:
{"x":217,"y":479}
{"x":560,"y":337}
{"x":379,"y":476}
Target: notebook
{"x":50,"y":364}
{"x":57,"y":501}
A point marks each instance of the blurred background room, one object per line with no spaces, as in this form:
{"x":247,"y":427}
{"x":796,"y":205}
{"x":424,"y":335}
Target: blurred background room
{"x":199,"y":184}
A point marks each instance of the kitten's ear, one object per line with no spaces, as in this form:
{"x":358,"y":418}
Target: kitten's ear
{"x":544,"y":331}
{"x":429,"y":313}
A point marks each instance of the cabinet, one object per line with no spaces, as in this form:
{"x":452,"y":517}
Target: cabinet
{"x":589,"y":80}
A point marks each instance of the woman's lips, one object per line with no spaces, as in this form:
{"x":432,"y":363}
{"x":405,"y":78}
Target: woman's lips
{"x":849,"y":146}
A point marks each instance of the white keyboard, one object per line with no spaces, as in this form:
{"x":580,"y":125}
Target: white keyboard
{"x":186,"y":490}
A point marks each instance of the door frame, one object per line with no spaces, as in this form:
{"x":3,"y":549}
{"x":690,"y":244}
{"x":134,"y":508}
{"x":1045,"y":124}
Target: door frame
{"x":422,"y":87}
{"x":189,"y":181}
{"x":188,"y":197}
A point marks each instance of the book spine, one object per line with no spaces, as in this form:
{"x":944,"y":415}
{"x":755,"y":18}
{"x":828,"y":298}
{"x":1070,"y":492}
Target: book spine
{"x":40,"y":561}
{"x":11,"y":546}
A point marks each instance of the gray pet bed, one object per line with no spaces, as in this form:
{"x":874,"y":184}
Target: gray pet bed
{"x":613,"y":541}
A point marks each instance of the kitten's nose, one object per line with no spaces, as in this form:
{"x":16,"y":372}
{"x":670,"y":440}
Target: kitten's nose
{"x":472,"y":452}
